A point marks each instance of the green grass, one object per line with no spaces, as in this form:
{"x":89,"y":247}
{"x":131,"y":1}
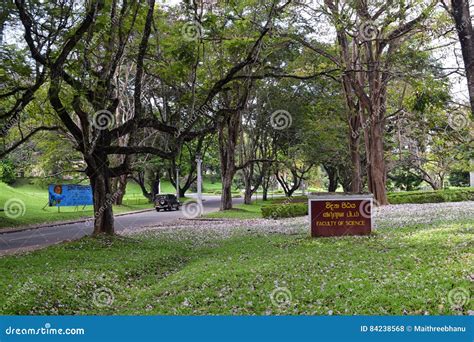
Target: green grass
{"x":240,"y":211}
{"x":35,"y":197}
{"x":395,"y":271}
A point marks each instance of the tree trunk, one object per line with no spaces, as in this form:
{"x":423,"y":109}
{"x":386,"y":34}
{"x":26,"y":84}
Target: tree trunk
{"x":119,"y":188}
{"x":265,"y":184}
{"x":355,"y":161}
{"x":189,"y":181}
{"x":462,"y":18}
{"x":248,"y":195}
{"x":228,"y":133}
{"x":226,"y":197}
{"x":156,"y":185}
{"x":354,"y":145}
{"x":331,"y":171}
{"x":332,"y":183}
{"x":102,"y":196}
{"x":376,"y":176}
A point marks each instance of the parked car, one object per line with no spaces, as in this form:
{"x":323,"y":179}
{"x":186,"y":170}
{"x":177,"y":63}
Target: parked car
{"x":166,"y":202}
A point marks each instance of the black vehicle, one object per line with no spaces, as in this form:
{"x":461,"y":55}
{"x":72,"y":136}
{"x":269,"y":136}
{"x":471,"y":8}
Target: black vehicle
{"x":166,"y":202}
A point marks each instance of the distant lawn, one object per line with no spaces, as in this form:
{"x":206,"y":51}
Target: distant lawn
{"x":241,"y":211}
{"x":414,"y":270}
{"x":32,"y":199}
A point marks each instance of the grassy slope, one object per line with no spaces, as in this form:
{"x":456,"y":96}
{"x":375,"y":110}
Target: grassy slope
{"x":241,"y":211}
{"x":408,"y":270}
{"x":35,"y":197}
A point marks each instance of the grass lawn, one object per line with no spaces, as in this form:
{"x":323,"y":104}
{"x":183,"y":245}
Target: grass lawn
{"x":414,"y":269}
{"x":32,"y":199}
{"x":241,"y":211}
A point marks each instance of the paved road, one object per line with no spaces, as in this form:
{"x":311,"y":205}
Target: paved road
{"x":40,"y":237}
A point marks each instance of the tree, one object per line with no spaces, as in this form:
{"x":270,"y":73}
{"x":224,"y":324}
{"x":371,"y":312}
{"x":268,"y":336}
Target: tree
{"x":461,"y":15}
{"x":82,"y":61}
{"x":366,"y":60}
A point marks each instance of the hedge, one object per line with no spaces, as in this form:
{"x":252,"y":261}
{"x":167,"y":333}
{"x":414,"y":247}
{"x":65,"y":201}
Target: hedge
{"x":285,"y":210}
{"x":438,"y":196}
{"x":298,"y":206}
{"x":293,"y":199}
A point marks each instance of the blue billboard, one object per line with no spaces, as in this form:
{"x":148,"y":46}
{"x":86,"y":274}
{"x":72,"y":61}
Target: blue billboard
{"x":64,"y":195}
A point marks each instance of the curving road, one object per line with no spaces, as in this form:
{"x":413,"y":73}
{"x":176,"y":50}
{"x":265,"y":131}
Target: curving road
{"x":45,"y":236}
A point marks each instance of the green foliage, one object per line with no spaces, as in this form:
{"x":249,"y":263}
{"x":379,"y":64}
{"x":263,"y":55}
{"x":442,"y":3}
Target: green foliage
{"x":404,"y":178}
{"x":7,"y":171}
{"x":277,"y":211}
{"x":459,"y":178}
{"x":447,"y":195}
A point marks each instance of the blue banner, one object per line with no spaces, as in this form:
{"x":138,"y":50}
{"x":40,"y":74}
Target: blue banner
{"x":237,"y":328}
{"x":64,"y":195}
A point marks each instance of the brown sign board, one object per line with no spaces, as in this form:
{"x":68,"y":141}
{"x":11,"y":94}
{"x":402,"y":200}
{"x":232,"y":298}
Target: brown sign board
{"x":339,"y":215}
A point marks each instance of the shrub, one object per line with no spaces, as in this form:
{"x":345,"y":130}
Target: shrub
{"x":276,"y":211}
{"x":459,"y":178}
{"x":7,"y":171}
{"x":438,"y":196}
{"x":295,"y":199}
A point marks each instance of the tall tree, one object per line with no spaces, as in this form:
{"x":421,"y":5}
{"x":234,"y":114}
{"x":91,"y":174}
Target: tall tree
{"x":460,"y":12}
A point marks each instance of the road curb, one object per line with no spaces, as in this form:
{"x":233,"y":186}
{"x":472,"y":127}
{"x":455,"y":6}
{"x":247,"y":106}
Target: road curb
{"x":60,"y":223}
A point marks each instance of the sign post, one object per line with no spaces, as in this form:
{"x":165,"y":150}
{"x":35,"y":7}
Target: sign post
{"x":340,"y":214}
{"x":67,"y":195}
